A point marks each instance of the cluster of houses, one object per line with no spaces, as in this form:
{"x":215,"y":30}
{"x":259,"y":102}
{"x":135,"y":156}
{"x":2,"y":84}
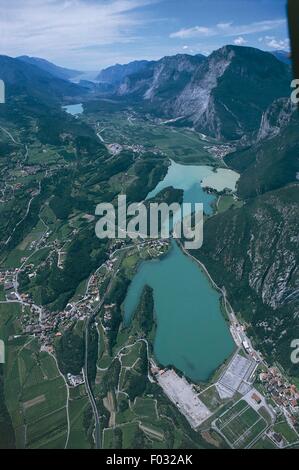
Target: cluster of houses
{"x":75,"y":380}
{"x":7,"y":281}
{"x":116,"y":149}
{"x":219,"y":151}
{"x":46,"y":324}
{"x":108,"y":315}
{"x":30,"y":170}
{"x":281,"y":391}
{"x":157,"y":247}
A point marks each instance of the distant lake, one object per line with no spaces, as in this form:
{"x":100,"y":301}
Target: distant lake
{"x":74,"y":109}
{"x":192,"y":333}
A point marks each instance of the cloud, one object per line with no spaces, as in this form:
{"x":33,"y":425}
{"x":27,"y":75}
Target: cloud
{"x":274,"y":43}
{"x":68,"y":28}
{"x":192,"y":32}
{"x":240,"y":41}
{"x":223,"y":25}
{"x":228,"y":29}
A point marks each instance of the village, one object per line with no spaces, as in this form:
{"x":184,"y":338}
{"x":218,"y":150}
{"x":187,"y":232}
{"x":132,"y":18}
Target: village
{"x":47,"y":325}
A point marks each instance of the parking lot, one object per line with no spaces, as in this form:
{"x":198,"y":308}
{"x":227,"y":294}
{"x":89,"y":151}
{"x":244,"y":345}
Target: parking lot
{"x":182,"y":394}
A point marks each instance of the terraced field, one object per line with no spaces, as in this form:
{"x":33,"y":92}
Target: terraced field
{"x":241,"y":425}
{"x":35,"y":392}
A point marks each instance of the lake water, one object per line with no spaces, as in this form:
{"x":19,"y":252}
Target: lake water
{"x":221,"y":179}
{"x":192,"y":333}
{"x":191,"y":179}
{"x":74,"y":109}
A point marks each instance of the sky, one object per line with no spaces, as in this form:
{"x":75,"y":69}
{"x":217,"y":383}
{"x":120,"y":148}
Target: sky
{"x":93,"y":34}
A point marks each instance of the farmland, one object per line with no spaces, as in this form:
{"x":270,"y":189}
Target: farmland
{"x":34,"y":390}
{"x":240,"y":425}
{"x":182,"y":145}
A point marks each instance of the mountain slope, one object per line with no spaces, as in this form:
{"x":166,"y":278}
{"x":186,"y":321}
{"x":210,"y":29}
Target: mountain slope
{"x":272,"y":163}
{"x":55,"y":70}
{"x":250,"y":82}
{"x":29,"y":81}
{"x":284,"y":56}
{"x":117,"y":73}
{"x":161,"y":81}
{"x":224,"y":95}
{"x":253,"y":252}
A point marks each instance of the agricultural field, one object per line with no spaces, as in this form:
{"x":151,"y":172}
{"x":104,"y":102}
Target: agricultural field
{"x":240,"y":425}
{"x":35,"y":392}
{"x":211,"y":398}
{"x":2,"y":293}
{"x":288,"y":434}
{"x":264,"y":443}
{"x":180,"y":144}
{"x":227,"y":202}
{"x":140,"y":417}
{"x":26,"y":249}
{"x":145,"y":407}
{"x":78,"y":404}
{"x":38,"y":153}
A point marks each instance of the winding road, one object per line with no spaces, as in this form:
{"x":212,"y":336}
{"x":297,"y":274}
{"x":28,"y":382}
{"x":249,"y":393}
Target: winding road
{"x":98,"y":433}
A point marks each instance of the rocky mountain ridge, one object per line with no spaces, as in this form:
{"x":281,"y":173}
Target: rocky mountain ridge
{"x":224,"y":95}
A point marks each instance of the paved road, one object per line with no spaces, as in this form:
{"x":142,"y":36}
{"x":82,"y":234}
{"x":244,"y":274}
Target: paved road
{"x":26,"y":213}
{"x":98,"y":432}
{"x":10,"y":136}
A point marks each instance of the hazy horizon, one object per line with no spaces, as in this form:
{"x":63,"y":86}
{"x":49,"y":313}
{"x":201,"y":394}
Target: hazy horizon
{"x":137,"y":60}
{"x":90,"y":35}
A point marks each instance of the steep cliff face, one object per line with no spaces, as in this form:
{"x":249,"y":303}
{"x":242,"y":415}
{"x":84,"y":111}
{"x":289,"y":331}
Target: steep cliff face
{"x":253,"y":252}
{"x":162,"y":80}
{"x":271,"y":163}
{"x":173,"y":72}
{"x":224,"y":95}
{"x":276,"y":118}
{"x":197,"y":102}
{"x":238,"y":85}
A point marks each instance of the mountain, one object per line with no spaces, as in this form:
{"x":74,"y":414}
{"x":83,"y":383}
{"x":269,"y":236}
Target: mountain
{"x":231,"y":90}
{"x":253,"y":253}
{"x":276,"y":118}
{"x":274,"y":162}
{"x":55,"y":70}
{"x":31,"y":82}
{"x":284,"y":56}
{"x":117,"y":73}
{"x":224,"y":95}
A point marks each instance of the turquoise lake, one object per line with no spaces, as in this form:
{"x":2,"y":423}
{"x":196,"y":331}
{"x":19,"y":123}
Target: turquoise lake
{"x":74,"y":109}
{"x":192,"y":333}
{"x":192,"y":179}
